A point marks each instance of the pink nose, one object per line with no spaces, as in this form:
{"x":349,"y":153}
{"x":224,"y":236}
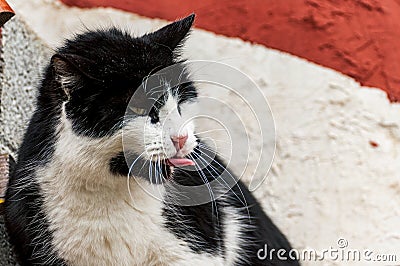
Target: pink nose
{"x":179,"y":141}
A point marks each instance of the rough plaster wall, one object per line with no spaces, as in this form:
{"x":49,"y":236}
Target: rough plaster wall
{"x":336,"y":168}
{"x":24,"y":56}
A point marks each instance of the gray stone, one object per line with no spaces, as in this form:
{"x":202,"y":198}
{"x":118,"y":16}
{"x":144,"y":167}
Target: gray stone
{"x":22,"y":59}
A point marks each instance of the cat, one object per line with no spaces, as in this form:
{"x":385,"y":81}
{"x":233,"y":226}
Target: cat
{"x":69,"y":201}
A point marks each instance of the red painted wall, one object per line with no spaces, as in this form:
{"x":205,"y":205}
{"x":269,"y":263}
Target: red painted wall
{"x":360,"y":38}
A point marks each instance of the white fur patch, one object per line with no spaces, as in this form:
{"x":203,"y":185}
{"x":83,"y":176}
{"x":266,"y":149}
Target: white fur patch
{"x":232,"y":231}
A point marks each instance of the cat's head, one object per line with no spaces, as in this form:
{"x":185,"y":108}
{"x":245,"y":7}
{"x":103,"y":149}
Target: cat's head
{"x":97,"y":73}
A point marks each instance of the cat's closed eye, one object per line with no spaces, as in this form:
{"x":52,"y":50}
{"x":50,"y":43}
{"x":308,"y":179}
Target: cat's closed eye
{"x":137,"y":110}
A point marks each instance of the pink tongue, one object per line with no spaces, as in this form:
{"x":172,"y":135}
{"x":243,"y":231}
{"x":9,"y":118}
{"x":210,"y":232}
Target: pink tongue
{"x":179,"y":162}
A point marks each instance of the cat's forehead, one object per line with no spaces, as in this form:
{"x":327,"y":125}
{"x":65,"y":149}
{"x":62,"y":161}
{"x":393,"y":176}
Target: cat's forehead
{"x":115,"y":49}
{"x":140,"y":59}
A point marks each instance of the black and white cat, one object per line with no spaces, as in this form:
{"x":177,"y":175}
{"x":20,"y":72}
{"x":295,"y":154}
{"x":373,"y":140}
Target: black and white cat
{"x":69,"y":201}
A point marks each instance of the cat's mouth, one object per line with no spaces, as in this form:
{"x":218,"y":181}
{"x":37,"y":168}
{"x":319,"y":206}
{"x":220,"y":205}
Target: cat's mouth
{"x":170,"y":163}
{"x":178,"y":162}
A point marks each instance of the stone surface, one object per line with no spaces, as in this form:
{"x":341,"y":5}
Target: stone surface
{"x":24,"y":56}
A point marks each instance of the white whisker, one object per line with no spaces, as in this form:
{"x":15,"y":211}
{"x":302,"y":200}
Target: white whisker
{"x":212,"y":197}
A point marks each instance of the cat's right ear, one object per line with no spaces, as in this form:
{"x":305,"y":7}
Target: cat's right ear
{"x":70,"y":69}
{"x":174,"y":34}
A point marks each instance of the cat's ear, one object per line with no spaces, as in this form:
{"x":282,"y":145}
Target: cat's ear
{"x":69,"y":70}
{"x":173,"y":34}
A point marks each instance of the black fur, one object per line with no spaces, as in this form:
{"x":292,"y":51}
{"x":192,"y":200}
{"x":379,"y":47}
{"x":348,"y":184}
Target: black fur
{"x":101,"y":71}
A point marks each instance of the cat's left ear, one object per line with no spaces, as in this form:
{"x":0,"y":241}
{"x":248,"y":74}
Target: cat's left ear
{"x":70,"y":69}
{"x":174,"y":34}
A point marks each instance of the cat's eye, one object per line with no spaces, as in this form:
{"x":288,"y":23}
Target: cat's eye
{"x":138,"y":110}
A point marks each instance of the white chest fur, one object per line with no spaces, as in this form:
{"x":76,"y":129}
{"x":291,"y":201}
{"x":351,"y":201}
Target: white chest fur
{"x":100,"y":228}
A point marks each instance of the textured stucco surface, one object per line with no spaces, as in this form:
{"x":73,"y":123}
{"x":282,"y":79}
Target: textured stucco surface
{"x":336,"y":167}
